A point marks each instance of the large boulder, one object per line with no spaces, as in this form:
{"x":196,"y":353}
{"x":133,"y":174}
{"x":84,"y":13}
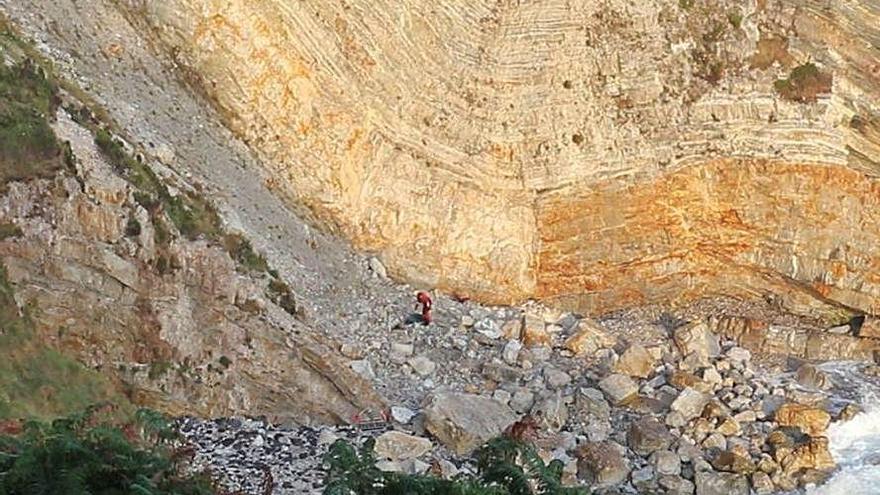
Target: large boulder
{"x":602,"y":464}
{"x":463,"y":422}
{"x":647,"y":435}
{"x":618,"y":388}
{"x":696,"y":338}
{"x":588,"y":338}
{"x":690,"y":403}
{"x":635,"y":361}
{"x":811,"y":420}
{"x":399,"y":446}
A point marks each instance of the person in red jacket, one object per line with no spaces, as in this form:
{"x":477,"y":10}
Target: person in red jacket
{"x":424,"y":299}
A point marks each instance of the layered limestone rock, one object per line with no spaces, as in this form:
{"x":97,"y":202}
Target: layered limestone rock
{"x":591,"y":153}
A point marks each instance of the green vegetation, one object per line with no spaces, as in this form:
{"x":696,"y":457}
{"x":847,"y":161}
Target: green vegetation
{"x":90,"y":454}
{"x":804,"y":84}
{"x":243,"y":253}
{"x":505,"y":467}
{"x":37,"y":381}
{"x":735,"y":19}
{"x":686,"y":4}
{"x":158,"y":369}
{"x":28,"y":146}
{"x":279,"y":292}
{"x":192,"y":215}
{"x":9,"y":230}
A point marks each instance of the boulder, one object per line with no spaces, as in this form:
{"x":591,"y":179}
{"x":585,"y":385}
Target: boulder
{"x":731,"y":462}
{"x":618,"y":388}
{"x":811,"y":376}
{"x":602,"y":464}
{"x":463,"y":422}
{"x":588,"y":338}
{"x":696,"y":338}
{"x":666,"y":462}
{"x":690,"y":403}
{"x":635,"y":361}
{"x":551,"y":411}
{"x":676,"y":485}
{"x":762,"y":484}
{"x":422,"y":366}
{"x":511,"y":350}
{"x":534,"y":331}
{"x":811,"y":455}
{"x":712,"y":483}
{"x":647,"y":435}
{"x":810,"y":420}
{"x":398,"y":446}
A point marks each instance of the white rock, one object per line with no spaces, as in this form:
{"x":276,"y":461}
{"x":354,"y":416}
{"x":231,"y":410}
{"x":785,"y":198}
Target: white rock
{"x":402,"y":414}
{"x":511,"y":351}
{"x":488,"y":328}
{"x":739,"y":355}
{"x":378,"y":268}
{"x":422,"y":365}
{"x":363,"y":368}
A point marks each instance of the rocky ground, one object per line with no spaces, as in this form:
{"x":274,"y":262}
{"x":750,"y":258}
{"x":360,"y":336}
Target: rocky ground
{"x":627,"y":412}
{"x":647,"y":400}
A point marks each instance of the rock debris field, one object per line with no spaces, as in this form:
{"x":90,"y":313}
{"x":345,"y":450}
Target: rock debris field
{"x":662,"y":406}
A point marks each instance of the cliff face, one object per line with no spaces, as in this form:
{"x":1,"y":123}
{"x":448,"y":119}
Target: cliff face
{"x":183,"y":325}
{"x":592,"y":153}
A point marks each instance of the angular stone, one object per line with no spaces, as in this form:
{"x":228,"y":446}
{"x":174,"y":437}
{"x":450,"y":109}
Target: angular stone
{"x":463,"y":422}
{"x":398,"y":446}
{"x":402,"y":415}
{"x":588,"y":338}
{"x":522,"y":400}
{"x":635,"y":361}
{"x":810,"y":420}
{"x":811,"y":376}
{"x":500,"y":372}
{"x":813,"y":454}
{"x":511,"y":350}
{"x":602,"y":464}
{"x":712,"y":483}
{"x":618,"y":388}
{"x":697,"y":338}
{"x":534,"y":332}
{"x":591,"y":401}
{"x":422,"y":366}
{"x":676,"y":485}
{"x":556,"y":378}
{"x":690,"y":403}
{"x":647,"y":435}
{"x":488,"y":328}
{"x":732,"y":462}
{"x":738,"y":355}
{"x":363,"y":368}
{"x":762,"y":484}
{"x":666,"y":462}
{"x":729,"y":427}
{"x":551,"y":411}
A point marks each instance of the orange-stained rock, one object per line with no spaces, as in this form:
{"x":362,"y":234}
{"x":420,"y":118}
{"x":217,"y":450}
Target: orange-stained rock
{"x":521,"y":162}
{"x":588,"y":338}
{"x":810,"y":420}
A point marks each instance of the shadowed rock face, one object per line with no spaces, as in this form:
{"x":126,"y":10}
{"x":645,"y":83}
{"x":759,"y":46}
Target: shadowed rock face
{"x":595,"y":154}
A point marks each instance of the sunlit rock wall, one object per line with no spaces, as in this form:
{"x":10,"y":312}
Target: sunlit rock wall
{"x":592,"y":153}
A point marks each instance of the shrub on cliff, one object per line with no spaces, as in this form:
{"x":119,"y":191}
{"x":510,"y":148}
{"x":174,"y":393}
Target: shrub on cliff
{"x":85,"y":454}
{"x":505,"y":467}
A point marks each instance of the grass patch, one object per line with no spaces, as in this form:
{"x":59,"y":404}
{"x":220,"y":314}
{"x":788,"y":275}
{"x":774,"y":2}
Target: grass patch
{"x":804,"y":84}
{"x":28,"y":146}
{"x":192,"y":215}
{"x":158,"y":369}
{"x":9,"y":231}
{"x":37,"y":381}
{"x":279,"y":292}
{"x":735,"y":19}
{"x":243,"y":253}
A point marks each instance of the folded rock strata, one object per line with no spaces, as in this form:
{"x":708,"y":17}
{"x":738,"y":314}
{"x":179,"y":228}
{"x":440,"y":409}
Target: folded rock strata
{"x":592,"y":154}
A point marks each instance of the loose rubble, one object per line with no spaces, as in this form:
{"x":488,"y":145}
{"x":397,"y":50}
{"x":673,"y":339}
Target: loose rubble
{"x":682,"y":412}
